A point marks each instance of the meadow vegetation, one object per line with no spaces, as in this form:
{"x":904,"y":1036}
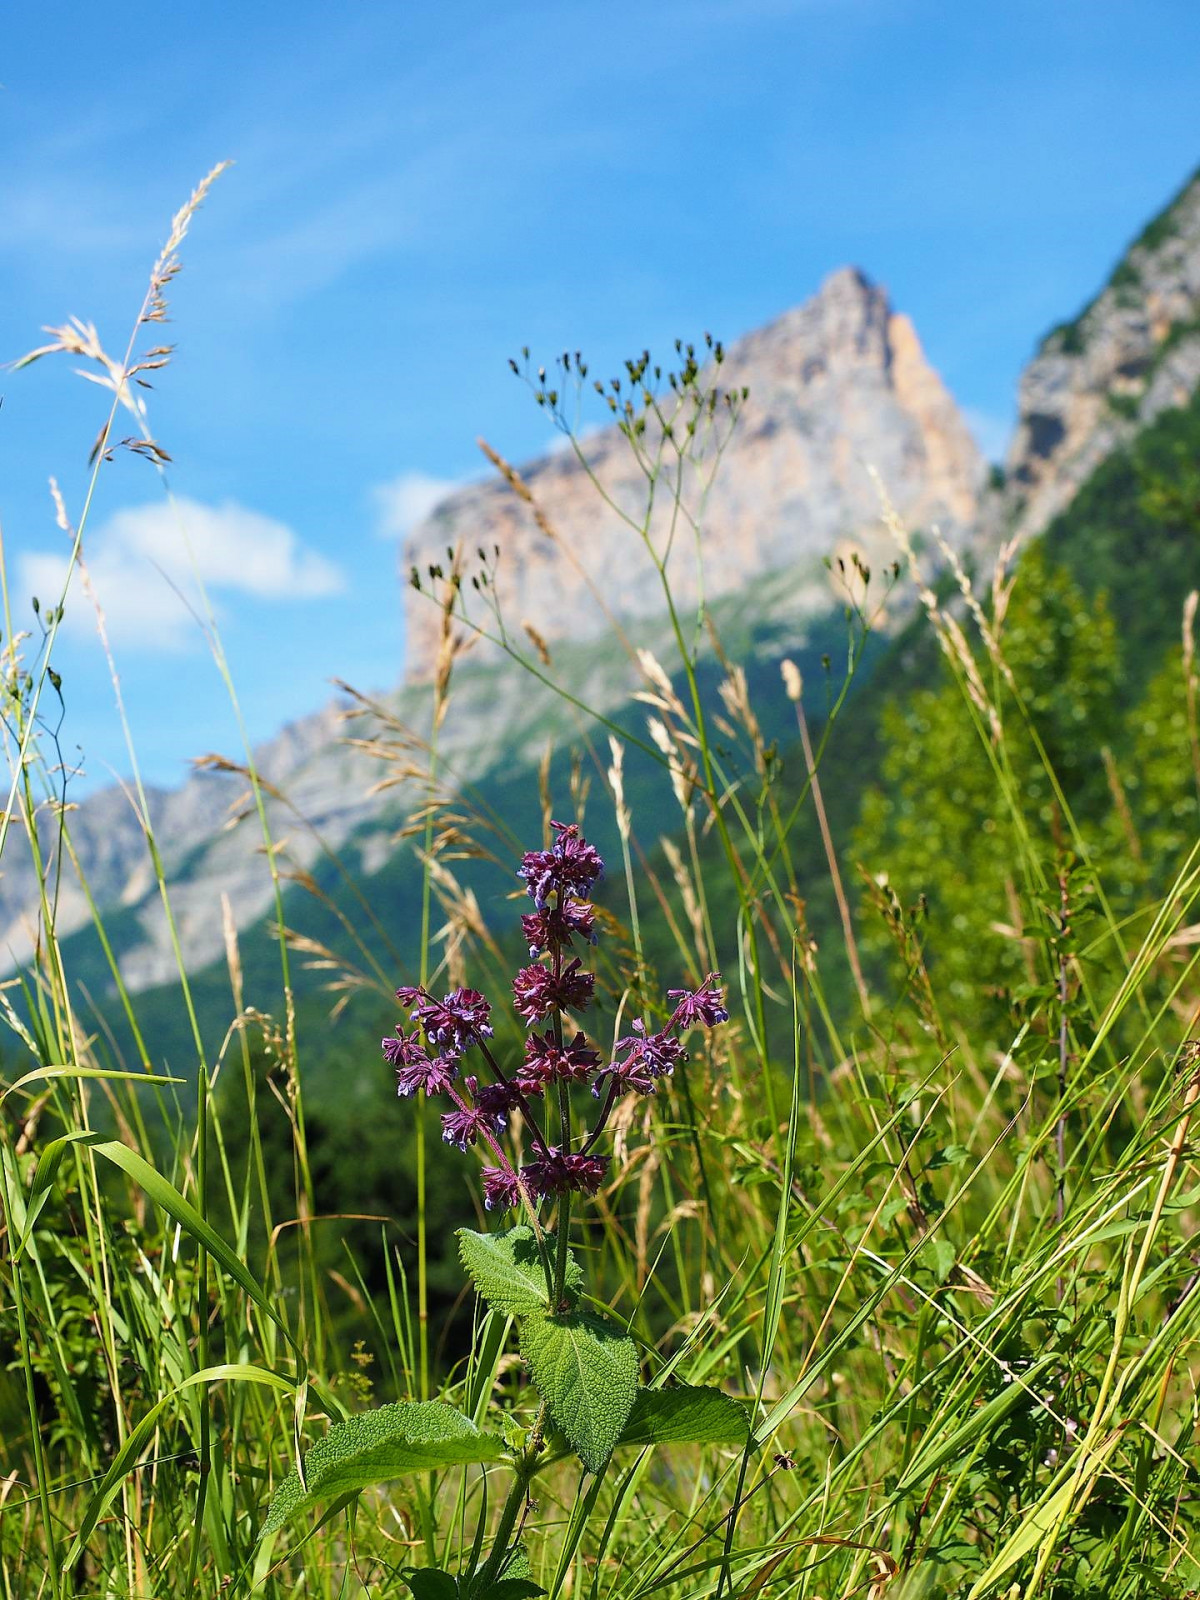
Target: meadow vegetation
{"x":920,"y":1212}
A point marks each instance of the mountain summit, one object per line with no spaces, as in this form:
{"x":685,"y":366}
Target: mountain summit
{"x":836,"y":386}
{"x":1132,"y":353}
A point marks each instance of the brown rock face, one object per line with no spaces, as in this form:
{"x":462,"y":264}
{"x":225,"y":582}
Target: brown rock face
{"x":1131,"y":354}
{"x":837,"y":386}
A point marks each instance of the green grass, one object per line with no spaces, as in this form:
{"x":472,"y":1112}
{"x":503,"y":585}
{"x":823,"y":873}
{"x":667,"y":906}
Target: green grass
{"x":937,"y":1239}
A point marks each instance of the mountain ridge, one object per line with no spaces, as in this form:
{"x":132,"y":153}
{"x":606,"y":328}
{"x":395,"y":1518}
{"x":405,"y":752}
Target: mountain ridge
{"x":840,"y":380}
{"x":1132,"y":353}
{"x":837,"y":385}
{"x":1137,"y":344}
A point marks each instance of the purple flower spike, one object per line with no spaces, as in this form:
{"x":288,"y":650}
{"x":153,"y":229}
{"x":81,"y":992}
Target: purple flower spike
{"x":428,"y":1056}
{"x":570,"y":866}
{"x":414,"y":1068}
{"x":434,"y":1074}
{"x":632,"y":1074}
{"x":462,"y":1127}
{"x":586,"y":1172}
{"x":546,"y":1063}
{"x":641,"y":1059}
{"x":397,"y":1049}
{"x":559,"y":1172}
{"x":553,"y":927}
{"x":532,"y":993}
{"x":537,"y":992}
{"x":455,"y":1023}
{"x":497,"y":1099}
{"x":704,"y":1007}
{"x":500,"y":1192}
{"x":660,"y":1051}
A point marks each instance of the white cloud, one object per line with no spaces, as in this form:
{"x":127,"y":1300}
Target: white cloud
{"x":404,"y":501}
{"x":145,"y":560}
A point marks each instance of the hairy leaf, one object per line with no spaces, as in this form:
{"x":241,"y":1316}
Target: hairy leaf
{"x":516,"y":1584}
{"x":507,"y":1270}
{"x":684,"y":1414}
{"x":428,"y":1583}
{"x":586,"y":1371}
{"x":376,"y":1446}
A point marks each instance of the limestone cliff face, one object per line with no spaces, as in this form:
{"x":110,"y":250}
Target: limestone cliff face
{"x":1131,"y":354}
{"x":837,"y":386}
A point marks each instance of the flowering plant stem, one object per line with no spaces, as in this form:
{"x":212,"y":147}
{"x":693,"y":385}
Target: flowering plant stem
{"x":563,"y":1218}
{"x":584,"y":1365}
{"x":526,"y":1468}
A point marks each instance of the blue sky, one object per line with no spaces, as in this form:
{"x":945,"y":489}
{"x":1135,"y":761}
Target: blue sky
{"x":419,"y":190}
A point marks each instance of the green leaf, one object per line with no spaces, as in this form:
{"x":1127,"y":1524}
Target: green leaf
{"x":938,"y":1255}
{"x":516,"y":1584}
{"x":586,"y":1371}
{"x":48,"y":1074}
{"x":507,"y":1270}
{"x":375,"y":1446}
{"x":684,"y":1414}
{"x":430,"y":1584}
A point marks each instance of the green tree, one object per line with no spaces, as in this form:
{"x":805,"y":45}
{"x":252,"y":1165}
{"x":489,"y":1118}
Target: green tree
{"x":960,"y":817}
{"x":1156,"y":776}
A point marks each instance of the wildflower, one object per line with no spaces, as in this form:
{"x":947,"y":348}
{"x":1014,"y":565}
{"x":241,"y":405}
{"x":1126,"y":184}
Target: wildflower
{"x":547,"y":1062}
{"x":455,"y":1023}
{"x":570,"y":866}
{"x":703,"y":1007}
{"x":560,"y":1172}
{"x":538,"y":990}
{"x":586,"y":1172}
{"x":641,"y":1059}
{"x":623,"y":1076}
{"x":415,"y":1069}
{"x":400,"y":1049}
{"x":464,"y":1125}
{"x":553,"y":927}
{"x":497,"y":1099}
{"x":660,"y":1051}
{"x":500,"y":1192}
{"x":529,"y":1083}
{"x":428,"y":1056}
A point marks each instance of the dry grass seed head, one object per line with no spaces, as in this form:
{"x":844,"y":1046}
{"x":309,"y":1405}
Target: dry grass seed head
{"x":687,"y":893}
{"x":793,"y":683}
{"x":616,"y":782}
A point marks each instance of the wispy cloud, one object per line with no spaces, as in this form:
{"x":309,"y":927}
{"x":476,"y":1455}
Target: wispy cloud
{"x":147,"y":563}
{"x":404,"y":501}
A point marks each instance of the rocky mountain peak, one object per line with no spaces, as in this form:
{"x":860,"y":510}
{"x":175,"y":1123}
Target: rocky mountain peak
{"x":1133,"y":352}
{"x":838,"y":385}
